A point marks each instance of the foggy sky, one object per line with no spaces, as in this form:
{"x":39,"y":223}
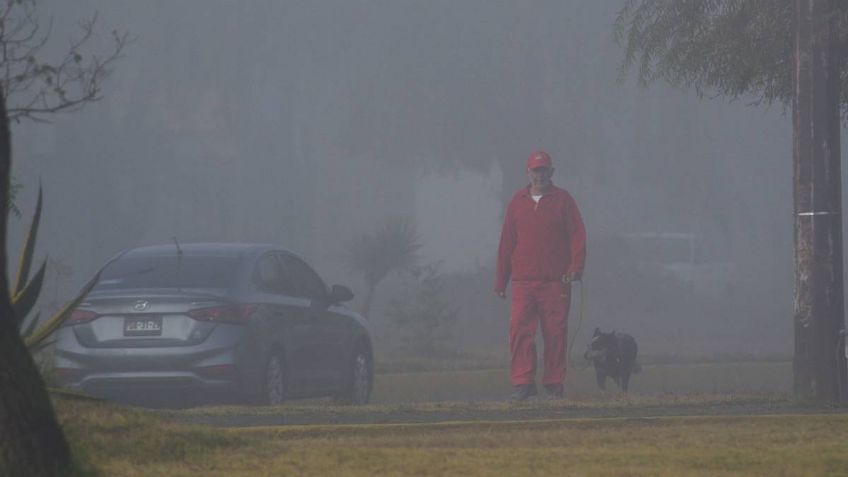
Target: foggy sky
{"x":306,"y":123}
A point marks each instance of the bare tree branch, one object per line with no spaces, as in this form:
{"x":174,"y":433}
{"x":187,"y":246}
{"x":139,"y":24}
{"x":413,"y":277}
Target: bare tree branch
{"x":38,"y":88}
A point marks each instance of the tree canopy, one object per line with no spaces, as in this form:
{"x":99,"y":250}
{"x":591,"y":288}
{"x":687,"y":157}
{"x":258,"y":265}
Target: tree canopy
{"x":785,"y":51}
{"x":393,"y":247}
{"x":732,"y":48}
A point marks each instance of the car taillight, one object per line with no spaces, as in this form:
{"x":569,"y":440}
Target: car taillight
{"x":80,"y":316}
{"x":219,"y":371}
{"x":224,"y":314}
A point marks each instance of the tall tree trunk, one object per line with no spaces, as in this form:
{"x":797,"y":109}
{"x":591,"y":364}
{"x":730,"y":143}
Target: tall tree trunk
{"x":31,"y":442}
{"x":819,"y":366}
{"x":371,"y":288}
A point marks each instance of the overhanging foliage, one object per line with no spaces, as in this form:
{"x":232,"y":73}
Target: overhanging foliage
{"x":731,"y":48}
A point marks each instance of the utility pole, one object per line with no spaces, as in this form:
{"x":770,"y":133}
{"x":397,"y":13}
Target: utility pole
{"x":819,"y":363}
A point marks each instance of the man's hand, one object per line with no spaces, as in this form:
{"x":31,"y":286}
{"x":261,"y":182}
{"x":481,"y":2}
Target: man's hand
{"x":500,"y":293}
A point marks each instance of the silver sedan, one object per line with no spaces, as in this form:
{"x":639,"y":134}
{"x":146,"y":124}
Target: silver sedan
{"x":249,"y":319}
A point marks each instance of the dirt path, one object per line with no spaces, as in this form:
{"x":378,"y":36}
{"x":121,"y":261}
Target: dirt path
{"x":447,"y":412}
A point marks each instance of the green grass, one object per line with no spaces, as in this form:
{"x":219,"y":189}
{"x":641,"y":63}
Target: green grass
{"x":405,"y":434}
{"x":113,"y":441}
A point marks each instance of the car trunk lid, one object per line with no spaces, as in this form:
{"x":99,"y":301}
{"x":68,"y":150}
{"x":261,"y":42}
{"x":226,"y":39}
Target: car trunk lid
{"x":147,"y":317}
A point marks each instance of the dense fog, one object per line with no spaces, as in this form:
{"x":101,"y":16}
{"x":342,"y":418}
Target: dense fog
{"x":308,"y":124}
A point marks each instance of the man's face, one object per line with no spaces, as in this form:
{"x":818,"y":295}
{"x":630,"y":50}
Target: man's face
{"x":540,"y":177}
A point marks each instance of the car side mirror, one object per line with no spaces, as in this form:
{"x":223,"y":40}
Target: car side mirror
{"x":340,"y":294}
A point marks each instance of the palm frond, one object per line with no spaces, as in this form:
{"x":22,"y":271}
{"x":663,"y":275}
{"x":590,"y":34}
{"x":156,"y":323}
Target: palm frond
{"x":40,"y":346}
{"x":29,"y":249}
{"x":394,"y":246}
{"x":57,"y":319}
{"x":24,"y":301}
{"x":30,"y":328}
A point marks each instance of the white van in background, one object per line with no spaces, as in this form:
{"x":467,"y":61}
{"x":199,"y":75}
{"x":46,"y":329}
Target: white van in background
{"x":702,"y":266}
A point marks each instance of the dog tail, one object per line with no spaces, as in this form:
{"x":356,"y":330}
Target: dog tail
{"x":636,"y":368}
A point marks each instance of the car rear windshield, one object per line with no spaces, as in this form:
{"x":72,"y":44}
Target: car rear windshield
{"x":168,"y":272}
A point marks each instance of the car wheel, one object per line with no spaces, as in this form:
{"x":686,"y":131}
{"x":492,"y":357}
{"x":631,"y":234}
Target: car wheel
{"x":357,"y":388}
{"x":274,"y":390}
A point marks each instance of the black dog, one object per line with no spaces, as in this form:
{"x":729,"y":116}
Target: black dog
{"x":614,"y":355}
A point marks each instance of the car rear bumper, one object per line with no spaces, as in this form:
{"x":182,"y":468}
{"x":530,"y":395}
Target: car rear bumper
{"x":109,"y":383}
{"x":221,"y":363}
{"x":158,"y":390}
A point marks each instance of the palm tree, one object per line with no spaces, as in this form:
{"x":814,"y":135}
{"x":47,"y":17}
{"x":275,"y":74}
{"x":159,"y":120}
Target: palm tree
{"x":394,"y":247}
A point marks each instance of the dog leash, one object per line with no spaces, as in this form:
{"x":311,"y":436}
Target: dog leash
{"x":579,"y":322}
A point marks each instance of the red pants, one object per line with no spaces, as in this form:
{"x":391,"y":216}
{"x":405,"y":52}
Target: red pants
{"x":539,"y":302}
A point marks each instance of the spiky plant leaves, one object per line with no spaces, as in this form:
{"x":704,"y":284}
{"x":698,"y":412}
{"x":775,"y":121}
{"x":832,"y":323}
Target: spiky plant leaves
{"x":37,"y":338}
{"x":71,"y":394}
{"x":56,"y":320}
{"x":30,"y":328}
{"x":24,"y":301}
{"x":40,"y":346}
{"x":29,"y":249}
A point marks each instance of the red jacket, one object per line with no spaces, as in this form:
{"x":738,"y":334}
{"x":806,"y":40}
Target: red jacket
{"x":541,"y":241}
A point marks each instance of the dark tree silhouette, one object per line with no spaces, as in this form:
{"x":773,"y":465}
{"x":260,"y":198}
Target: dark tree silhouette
{"x":790,"y":52}
{"x":32,"y":443}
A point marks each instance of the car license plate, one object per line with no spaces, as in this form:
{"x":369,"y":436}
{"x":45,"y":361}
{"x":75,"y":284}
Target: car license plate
{"x":143,"y":326}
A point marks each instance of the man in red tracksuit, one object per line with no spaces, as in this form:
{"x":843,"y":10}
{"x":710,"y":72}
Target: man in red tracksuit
{"x":542,"y":250}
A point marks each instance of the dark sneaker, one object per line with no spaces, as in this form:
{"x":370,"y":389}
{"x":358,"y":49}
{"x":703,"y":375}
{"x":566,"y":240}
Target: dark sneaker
{"x":523,"y":392}
{"x":555,"y":390}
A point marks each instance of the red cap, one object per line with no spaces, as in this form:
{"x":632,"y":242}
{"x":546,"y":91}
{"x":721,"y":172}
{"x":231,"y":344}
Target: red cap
{"x":539,"y":159}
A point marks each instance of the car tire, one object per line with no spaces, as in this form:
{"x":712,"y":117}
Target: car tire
{"x":358,"y":380}
{"x":274,"y":381}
